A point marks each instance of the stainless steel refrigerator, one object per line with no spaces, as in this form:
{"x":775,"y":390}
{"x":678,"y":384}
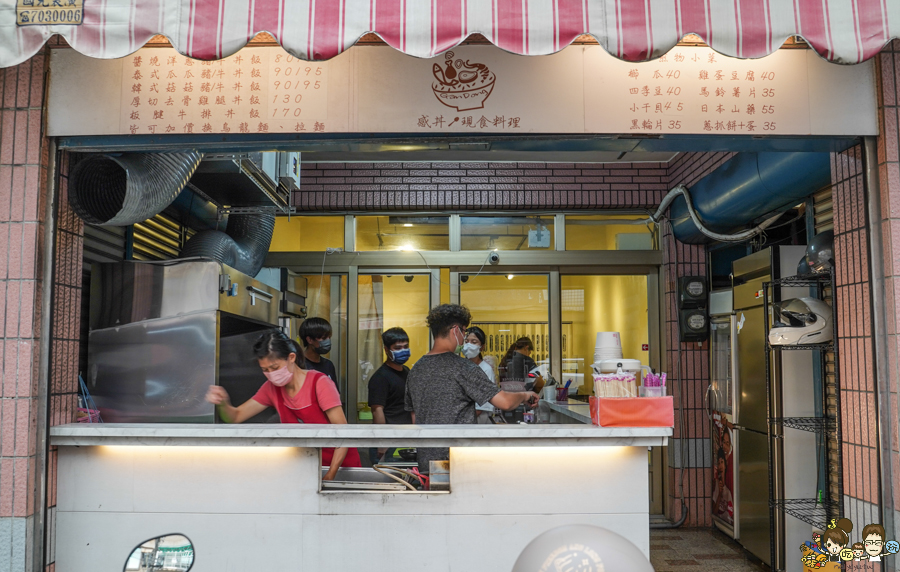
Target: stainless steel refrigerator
{"x":792,"y":380}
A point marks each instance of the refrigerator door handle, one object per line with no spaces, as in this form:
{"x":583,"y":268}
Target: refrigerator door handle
{"x":735,"y":372}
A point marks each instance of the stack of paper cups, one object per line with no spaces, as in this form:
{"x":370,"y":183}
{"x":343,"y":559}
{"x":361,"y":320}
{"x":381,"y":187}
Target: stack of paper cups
{"x":609,"y":346}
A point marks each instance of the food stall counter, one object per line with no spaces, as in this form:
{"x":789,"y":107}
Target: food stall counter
{"x":250,"y":497}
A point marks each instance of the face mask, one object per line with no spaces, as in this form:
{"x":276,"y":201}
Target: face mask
{"x":459,"y":344}
{"x":324,"y":347}
{"x":400,"y":357}
{"x":280,"y":377}
{"x":471,"y":350}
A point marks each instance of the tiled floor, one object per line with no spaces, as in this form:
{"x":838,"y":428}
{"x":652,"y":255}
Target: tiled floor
{"x":698,"y":550}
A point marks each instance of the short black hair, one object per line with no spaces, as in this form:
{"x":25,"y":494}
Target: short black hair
{"x":394,"y":335}
{"x":315,"y":328}
{"x":275,"y":343}
{"x":479,"y":333}
{"x":720,"y":454}
{"x":441,"y":319}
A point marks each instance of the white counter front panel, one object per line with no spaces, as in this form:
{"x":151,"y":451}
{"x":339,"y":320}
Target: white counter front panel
{"x":258,"y":508}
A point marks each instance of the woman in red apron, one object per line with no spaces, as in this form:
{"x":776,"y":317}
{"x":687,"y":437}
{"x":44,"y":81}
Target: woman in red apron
{"x":299,"y":396}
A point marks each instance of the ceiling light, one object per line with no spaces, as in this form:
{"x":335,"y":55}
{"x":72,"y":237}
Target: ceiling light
{"x":509,"y":276}
{"x":407,"y":225}
{"x":405,"y":247}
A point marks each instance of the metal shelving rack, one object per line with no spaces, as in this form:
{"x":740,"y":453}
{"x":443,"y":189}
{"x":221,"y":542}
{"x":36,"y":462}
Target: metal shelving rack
{"x":816,"y":511}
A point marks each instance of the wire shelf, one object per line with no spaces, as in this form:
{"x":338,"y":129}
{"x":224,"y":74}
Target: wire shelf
{"x":810,"y":511}
{"x":802,"y":280}
{"x":811,"y":424}
{"x":822,"y":347}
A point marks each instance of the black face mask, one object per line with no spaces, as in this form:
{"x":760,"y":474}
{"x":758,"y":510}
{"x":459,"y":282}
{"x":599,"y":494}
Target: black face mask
{"x":324,"y":347}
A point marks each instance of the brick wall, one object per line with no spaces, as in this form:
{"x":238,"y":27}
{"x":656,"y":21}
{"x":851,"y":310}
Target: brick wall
{"x":888,"y":66}
{"x":22,"y":187}
{"x":689,"y":450}
{"x":855,"y":350}
{"x":475,"y":186}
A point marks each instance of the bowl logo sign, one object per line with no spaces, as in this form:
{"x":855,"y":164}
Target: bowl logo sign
{"x":462,"y":85}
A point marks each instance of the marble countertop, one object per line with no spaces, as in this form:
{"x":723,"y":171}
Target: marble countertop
{"x":574,"y":409}
{"x":299,"y":435}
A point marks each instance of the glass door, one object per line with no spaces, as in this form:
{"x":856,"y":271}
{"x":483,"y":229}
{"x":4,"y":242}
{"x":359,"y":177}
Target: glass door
{"x":509,"y":307}
{"x":396,"y":300}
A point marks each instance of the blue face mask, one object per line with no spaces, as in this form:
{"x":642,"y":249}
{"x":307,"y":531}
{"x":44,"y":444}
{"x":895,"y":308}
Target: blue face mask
{"x":400,"y":357}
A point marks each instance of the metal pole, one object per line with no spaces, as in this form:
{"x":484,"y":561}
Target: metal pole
{"x":42,"y":408}
{"x":880,"y":339}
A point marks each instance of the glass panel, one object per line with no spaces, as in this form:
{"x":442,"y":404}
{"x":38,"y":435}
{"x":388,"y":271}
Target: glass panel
{"x":402,"y":233}
{"x":507,"y":233}
{"x":388,"y":302}
{"x":326,"y":297}
{"x":720,"y":354}
{"x":508,"y":307}
{"x":610,"y":232}
{"x":592,"y":304}
{"x":307,"y":233}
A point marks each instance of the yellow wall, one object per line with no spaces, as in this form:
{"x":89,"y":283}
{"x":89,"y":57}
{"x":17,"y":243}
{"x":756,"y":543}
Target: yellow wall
{"x":611,"y":304}
{"x":598,"y":236}
{"x":493,"y":298}
{"x":307,"y":233}
{"x":397,"y":303}
{"x":380,"y":233}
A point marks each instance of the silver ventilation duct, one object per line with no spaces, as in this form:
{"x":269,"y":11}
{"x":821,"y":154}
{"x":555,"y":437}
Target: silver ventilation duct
{"x":119,"y":190}
{"x":243,"y":245}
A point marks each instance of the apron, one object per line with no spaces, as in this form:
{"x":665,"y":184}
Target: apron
{"x":313,"y":414}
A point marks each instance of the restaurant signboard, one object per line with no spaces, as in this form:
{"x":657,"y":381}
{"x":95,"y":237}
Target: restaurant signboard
{"x":471,"y":89}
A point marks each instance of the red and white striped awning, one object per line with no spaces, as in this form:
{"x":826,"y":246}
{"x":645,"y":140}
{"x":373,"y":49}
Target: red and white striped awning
{"x":843,"y":31}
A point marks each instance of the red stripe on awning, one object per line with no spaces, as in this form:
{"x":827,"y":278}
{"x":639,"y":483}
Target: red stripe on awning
{"x":318,"y":29}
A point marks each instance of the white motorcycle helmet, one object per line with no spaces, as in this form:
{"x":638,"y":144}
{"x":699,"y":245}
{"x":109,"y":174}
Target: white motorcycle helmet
{"x":800,"y":321}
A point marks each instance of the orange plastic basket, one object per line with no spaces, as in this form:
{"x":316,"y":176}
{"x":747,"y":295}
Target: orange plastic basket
{"x":633,"y":411}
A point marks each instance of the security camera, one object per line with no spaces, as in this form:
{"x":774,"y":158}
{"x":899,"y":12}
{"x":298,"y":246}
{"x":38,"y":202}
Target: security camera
{"x":464,"y":278}
{"x":494,"y":258}
{"x":408,"y":278}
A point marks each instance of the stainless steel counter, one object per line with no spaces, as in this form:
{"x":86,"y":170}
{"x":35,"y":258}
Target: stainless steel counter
{"x":282,"y":435}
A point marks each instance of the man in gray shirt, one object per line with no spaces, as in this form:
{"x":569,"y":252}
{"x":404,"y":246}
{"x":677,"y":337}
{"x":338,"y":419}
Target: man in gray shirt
{"x":443,"y":388}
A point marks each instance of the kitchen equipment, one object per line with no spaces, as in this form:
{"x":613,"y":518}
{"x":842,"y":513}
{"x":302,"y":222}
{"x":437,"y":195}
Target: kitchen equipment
{"x":792,"y":382}
{"x":162,"y":333}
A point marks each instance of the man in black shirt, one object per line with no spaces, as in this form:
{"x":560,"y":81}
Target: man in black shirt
{"x":315,"y":333}
{"x":443,"y":388}
{"x":387,"y":386}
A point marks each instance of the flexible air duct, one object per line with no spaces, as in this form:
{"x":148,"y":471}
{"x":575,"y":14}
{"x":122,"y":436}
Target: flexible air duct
{"x":119,"y":190}
{"x":747,"y":187}
{"x":243,"y":245}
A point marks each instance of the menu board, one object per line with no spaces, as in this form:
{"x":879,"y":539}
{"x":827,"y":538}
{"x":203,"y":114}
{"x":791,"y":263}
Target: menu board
{"x":253,"y":91}
{"x":696,"y":90}
{"x":470,"y":89}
